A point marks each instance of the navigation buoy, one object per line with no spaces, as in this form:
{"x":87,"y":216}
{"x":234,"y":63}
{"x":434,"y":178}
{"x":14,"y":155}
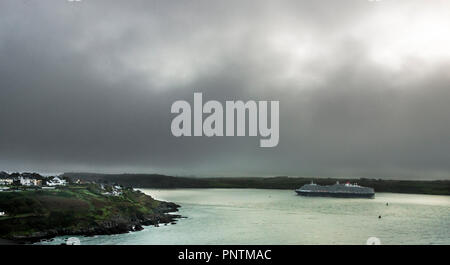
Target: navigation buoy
{"x":373,"y":241}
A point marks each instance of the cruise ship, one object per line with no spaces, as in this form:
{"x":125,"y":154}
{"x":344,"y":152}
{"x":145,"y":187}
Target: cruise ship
{"x":337,"y":190}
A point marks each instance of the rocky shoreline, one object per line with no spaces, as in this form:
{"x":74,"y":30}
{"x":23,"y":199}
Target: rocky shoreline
{"x":119,"y":225}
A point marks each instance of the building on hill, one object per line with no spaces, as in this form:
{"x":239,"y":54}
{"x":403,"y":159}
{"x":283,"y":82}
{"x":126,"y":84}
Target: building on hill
{"x":29,"y":181}
{"x":56,"y":181}
{"x":7,"y":181}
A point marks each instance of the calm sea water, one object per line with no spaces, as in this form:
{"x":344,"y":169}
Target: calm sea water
{"x":253,"y":216}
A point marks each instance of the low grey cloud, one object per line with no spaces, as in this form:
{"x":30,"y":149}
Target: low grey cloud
{"x":363,"y":86}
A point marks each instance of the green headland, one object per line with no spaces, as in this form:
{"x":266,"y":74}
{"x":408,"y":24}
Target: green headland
{"x":34,"y":213}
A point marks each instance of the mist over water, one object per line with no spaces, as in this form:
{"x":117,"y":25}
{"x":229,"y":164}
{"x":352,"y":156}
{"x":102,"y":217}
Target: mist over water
{"x":254,"y":216}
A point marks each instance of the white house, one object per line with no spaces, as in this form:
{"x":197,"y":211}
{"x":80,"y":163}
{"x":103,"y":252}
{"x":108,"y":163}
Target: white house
{"x":56,"y":182}
{"x":6,"y":181}
{"x":25,"y":181}
{"x":116,"y":191}
{"x":29,"y":182}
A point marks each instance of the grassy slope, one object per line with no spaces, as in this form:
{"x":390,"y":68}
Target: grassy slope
{"x":71,"y":207}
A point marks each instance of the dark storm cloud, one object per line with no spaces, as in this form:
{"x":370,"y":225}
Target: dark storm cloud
{"x":363,"y":86}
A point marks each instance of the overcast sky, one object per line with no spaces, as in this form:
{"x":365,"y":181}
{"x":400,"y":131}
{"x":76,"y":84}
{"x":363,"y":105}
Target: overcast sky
{"x":364,"y":86}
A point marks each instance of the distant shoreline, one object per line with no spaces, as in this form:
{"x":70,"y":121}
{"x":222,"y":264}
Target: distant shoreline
{"x":435,"y":187}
